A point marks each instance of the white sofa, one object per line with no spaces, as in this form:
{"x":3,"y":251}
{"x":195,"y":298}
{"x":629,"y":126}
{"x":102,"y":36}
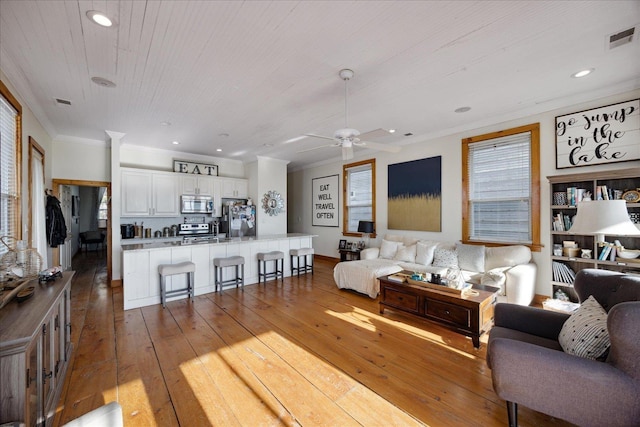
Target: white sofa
{"x":507,"y":267}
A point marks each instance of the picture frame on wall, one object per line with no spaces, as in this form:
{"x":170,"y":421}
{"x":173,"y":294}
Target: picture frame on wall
{"x":602,"y":135}
{"x":325,"y":206}
{"x":342,"y":244}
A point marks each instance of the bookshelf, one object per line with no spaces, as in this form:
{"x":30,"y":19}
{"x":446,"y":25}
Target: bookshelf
{"x":566,"y":191}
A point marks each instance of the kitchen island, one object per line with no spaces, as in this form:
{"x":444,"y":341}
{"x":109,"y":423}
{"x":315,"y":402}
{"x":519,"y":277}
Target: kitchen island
{"x":141,"y":283}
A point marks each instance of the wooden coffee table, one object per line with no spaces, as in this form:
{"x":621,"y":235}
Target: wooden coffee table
{"x":468,"y":315}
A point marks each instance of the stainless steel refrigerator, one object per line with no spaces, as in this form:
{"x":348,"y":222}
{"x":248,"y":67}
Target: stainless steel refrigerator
{"x":238,"y":220}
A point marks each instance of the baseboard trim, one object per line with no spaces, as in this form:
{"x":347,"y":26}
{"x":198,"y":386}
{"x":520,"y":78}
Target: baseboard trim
{"x":327,"y":258}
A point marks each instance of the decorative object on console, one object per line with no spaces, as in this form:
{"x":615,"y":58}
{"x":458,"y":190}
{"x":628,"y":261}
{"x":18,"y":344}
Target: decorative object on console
{"x":272,"y":203}
{"x":367,"y":229}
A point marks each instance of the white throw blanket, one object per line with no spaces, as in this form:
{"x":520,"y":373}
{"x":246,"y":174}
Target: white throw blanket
{"x":362,"y":275}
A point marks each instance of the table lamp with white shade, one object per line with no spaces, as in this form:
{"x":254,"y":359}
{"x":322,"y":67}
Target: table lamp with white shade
{"x":603,"y":217}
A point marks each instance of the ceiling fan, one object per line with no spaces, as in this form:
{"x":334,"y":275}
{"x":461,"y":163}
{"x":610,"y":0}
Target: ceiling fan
{"x":347,"y":138}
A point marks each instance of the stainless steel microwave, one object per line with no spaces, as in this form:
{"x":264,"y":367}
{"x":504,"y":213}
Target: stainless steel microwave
{"x":196,"y":204}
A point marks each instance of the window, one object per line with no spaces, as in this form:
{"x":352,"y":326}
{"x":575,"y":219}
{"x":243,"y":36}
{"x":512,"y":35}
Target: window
{"x":501,"y":187}
{"x":359,"y":201}
{"x":10,"y":162}
{"x":102,"y":211}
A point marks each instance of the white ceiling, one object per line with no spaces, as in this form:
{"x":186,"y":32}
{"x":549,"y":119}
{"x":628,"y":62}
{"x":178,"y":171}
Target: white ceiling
{"x":265,"y":72}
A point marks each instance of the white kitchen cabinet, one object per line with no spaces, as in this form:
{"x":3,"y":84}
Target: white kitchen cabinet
{"x":148,"y":193}
{"x":197,"y":184}
{"x":235,"y":188}
{"x":165,"y":194}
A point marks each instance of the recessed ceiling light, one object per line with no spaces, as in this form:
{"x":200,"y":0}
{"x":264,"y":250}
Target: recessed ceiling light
{"x":101,"y":81}
{"x":99,"y":18}
{"x":582,"y":73}
{"x":224,"y":135}
{"x":165,"y":123}
{"x":392,"y":131}
{"x":462,"y":109}
{"x":218,"y":149}
{"x":175,"y":143}
{"x":268,"y":145}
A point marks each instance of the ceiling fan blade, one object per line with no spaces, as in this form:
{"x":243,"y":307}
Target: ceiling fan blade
{"x":297,"y":138}
{"x":320,"y":136}
{"x":315,"y":148}
{"x":375,"y":134}
{"x":377,"y":146}
{"x":347,"y":153}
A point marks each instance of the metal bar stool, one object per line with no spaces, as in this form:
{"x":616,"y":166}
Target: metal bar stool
{"x":165,"y":270}
{"x":301,"y":253}
{"x":278,"y":258}
{"x":232,"y":261}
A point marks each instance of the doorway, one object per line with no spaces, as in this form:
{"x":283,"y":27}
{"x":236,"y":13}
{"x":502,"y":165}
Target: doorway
{"x":57,"y":184}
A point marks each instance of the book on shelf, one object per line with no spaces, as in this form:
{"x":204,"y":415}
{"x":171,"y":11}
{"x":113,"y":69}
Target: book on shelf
{"x":562,"y":273}
{"x":605,"y":252}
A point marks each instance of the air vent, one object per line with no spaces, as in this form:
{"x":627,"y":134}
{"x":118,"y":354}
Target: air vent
{"x":408,"y":134}
{"x":621,"y":38}
{"x":63,"y":101}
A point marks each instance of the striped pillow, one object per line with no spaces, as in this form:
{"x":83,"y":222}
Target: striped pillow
{"x":585,"y":332}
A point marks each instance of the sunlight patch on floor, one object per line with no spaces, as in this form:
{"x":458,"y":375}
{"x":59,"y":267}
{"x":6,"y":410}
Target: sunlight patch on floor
{"x":365,"y":319}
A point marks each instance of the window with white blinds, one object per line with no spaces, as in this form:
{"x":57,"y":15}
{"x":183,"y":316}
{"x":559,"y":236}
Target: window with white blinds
{"x":9,"y":197}
{"x":501,"y":187}
{"x":359,"y":201}
{"x":499,"y":175}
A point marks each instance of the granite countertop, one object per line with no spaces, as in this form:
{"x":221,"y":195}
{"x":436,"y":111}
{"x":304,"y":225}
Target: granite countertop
{"x":223,"y":241}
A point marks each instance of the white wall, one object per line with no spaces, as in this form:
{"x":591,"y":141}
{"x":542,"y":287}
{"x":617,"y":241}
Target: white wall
{"x":81,"y":159}
{"x":134,"y":156}
{"x":450,"y":148}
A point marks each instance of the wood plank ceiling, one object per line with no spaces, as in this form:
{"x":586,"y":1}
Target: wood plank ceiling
{"x":265,"y":72}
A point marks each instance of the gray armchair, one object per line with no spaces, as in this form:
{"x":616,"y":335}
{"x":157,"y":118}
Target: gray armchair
{"x":528,"y":366}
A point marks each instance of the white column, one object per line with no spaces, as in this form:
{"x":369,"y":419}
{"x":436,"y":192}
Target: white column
{"x":115,"y":139}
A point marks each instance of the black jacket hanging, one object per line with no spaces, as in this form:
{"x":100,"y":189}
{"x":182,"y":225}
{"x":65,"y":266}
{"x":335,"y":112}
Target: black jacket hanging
{"x":56,"y":227}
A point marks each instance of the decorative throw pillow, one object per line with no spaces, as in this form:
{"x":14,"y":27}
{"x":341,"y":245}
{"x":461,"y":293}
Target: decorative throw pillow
{"x":445,"y":257}
{"x":406,"y":254}
{"x":424,"y":252}
{"x":388,"y":249}
{"x":585,"y":332}
{"x":470,"y":257}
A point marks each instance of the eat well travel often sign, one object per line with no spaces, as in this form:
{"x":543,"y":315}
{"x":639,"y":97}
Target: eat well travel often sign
{"x":325,"y":205}
{"x":602,"y":135}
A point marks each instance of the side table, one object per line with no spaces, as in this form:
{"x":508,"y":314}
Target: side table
{"x":349,"y":254}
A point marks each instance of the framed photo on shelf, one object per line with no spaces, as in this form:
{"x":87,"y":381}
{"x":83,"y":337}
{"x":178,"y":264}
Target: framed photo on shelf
{"x":342,"y":245}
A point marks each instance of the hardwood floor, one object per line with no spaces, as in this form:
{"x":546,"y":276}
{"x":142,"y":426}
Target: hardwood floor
{"x":298,"y":352}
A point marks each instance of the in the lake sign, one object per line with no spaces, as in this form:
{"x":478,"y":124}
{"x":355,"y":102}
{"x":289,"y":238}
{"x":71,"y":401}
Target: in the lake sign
{"x":325,"y":204}
{"x":603,"y":135}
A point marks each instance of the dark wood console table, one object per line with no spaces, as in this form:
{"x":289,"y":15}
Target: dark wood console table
{"x":470,"y":315}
